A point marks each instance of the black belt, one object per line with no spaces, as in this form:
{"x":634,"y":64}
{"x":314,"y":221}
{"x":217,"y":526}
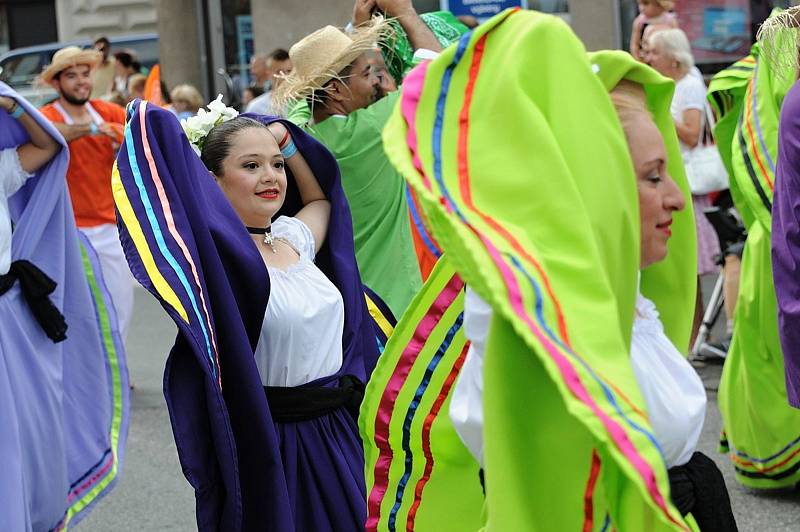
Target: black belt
{"x":36,"y":288}
{"x":302,"y":403}
{"x":698,"y":488}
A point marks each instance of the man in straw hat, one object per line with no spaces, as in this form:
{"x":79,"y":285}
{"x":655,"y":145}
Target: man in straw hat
{"x":93,"y":129}
{"x":334,"y":73}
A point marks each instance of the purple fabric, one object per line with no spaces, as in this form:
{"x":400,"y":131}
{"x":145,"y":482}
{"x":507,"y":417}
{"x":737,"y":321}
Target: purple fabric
{"x":56,"y":400}
{"x":248,"y":472}
{"x":786,"y":240}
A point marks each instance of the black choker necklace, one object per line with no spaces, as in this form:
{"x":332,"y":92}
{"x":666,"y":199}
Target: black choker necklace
{"x":267,"y":232}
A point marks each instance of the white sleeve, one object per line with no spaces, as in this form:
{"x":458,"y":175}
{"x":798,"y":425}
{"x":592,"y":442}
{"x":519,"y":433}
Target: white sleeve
{"x":466,"y":405}
{"x":11,"y":172}
{"x":297,"y":234}
{"x":692,"y":95}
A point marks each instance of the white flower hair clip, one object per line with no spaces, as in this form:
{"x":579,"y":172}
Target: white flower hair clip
{"x":197,"y":127}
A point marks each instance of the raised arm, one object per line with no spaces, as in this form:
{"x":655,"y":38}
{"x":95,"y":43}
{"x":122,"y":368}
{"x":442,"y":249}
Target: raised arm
{"x":316,"y":211}
{"x":419,"y":34}
{"x":41,"y":148}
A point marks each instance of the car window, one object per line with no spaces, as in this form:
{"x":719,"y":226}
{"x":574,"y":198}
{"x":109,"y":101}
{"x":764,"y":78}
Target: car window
{"x":21,"y":70}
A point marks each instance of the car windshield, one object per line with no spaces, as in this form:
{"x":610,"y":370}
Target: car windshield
{"x":21,"y":70}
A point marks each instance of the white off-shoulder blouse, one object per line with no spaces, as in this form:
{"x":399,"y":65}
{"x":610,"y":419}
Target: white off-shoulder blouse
{"x":12,"y":177}
{"x":672,"y":390}
{"x":301,"y":337}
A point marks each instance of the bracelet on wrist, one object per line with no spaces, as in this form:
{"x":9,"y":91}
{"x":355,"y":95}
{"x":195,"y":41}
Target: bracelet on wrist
{"x":289,"y":149}
{"x":286,"y":138}
{"x":17,"y":110}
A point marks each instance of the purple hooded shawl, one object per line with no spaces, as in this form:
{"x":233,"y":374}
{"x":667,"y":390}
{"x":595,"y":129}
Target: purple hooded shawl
{"x":186,"y":245}
{"x":63,"y":406}
{"x":786,"y":240}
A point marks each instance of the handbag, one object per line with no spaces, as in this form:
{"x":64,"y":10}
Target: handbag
{"x":704,"y":168}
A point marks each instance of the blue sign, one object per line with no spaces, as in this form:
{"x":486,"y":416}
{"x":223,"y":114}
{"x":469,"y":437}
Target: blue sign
{"x":480,"y":9}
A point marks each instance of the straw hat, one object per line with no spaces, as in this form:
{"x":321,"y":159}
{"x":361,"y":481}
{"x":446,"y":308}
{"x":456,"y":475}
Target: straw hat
{"x":319,"y":57}
{"x":69,"y":57}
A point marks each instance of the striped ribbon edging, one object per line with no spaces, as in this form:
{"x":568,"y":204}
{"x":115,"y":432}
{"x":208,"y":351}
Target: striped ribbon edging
{"x":753,"y":155}
{"x":554,"y":346}
{"x":446,"y":358}
{"x":588,"y":497}
{"x":782,"y":464}
{"x":99,"y":479}
{"x":416,"y":217}
{"x":193,"y":290}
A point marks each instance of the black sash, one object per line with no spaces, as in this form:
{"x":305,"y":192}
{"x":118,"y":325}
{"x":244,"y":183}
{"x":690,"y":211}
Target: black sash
{"x":698,"y":488}
{"x":36,"y":288}
{"x":303,"y":403}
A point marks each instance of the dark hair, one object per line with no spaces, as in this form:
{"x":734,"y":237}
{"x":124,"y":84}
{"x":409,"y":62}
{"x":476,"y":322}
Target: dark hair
{"x":255,"y":89}
{"x":320,"y":96}
{"x":165,"y":92}
{"x":217,"y":143}
{"x":128,"y":60}
{"x":279,"y":54}
{"x":103,"y":40}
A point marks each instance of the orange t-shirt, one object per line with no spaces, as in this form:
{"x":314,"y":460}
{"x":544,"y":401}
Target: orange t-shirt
{"x":91,"y":158}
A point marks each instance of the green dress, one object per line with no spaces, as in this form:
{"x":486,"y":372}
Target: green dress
{"x":761,"y":432}
{"x":523,"y":171}
{"x":376,"y":194}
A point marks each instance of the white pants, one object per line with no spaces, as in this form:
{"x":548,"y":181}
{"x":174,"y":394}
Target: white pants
{"x":117,"y":275}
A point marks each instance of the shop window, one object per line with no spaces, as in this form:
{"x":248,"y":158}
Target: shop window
{"x":720,"y":31}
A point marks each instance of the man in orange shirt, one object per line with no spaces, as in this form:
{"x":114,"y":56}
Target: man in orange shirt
{"x":93,"y":129}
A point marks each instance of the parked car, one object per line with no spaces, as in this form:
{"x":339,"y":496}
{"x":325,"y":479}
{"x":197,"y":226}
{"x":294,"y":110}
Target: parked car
{"x":20,"y":67}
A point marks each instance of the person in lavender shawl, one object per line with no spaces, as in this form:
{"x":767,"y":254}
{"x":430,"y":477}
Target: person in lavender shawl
{"x":63,"y":382}
{"x":249,"y":247}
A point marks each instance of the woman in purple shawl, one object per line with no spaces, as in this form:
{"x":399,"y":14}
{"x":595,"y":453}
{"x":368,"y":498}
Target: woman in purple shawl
{"x":63,"y":382}
{"x":275,"y":338}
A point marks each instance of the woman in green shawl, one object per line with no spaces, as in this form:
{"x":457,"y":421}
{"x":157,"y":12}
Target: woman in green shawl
{"x":551,"y":243}
{"x":761,"y":432}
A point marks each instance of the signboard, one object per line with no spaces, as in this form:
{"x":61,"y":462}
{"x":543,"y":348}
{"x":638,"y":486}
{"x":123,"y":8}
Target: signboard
{"x":244,"y":43}
{"x":719,"y":30}
{"x":480,"y":9}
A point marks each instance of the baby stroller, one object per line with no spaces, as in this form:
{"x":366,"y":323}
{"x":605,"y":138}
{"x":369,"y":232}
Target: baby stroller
{"x":732,"y":235}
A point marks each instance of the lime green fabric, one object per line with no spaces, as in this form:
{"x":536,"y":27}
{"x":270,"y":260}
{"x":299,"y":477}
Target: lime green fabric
{"x":376,"y":193}
{"x":398,"y":54}
{"x":761,"y":431}
{"x":672,"y":283}
{"x":524,"y":173}
{"x":726,"y":94}
{"x":418,"y":472}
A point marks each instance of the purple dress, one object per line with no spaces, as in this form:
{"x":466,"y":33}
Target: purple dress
{"x":187,"y":246}
{"x":786,"y":240}
{"x":63,"y":405}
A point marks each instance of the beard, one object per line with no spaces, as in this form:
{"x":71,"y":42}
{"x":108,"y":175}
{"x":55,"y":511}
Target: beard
{"x":377,"y":93}
{"x":73,"y":100}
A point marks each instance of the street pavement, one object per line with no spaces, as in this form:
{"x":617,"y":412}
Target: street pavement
{"x":153,"y":495}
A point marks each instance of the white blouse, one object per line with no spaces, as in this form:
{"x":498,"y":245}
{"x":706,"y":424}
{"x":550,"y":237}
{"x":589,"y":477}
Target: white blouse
{"x":672,"y":390}
{"x":301,"y":337}
{"x":12,"y":177}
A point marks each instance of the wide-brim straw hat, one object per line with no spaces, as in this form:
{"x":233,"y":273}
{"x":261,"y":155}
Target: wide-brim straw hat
{"x":69,"y":57}
{"x":322,"y":55}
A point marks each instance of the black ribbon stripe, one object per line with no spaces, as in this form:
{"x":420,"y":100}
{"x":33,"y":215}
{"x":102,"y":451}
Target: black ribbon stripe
{"x":36,"y":288}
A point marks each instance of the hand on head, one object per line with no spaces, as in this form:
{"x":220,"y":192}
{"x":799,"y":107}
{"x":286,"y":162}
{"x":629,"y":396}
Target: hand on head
{"x":395,"y":8}
{"x":362,"y":11}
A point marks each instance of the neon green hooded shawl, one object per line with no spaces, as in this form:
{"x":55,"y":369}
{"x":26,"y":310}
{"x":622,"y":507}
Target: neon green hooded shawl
{"x":671,"y":283}
{"x":761,"y":432}
{"x":524,"y":173}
